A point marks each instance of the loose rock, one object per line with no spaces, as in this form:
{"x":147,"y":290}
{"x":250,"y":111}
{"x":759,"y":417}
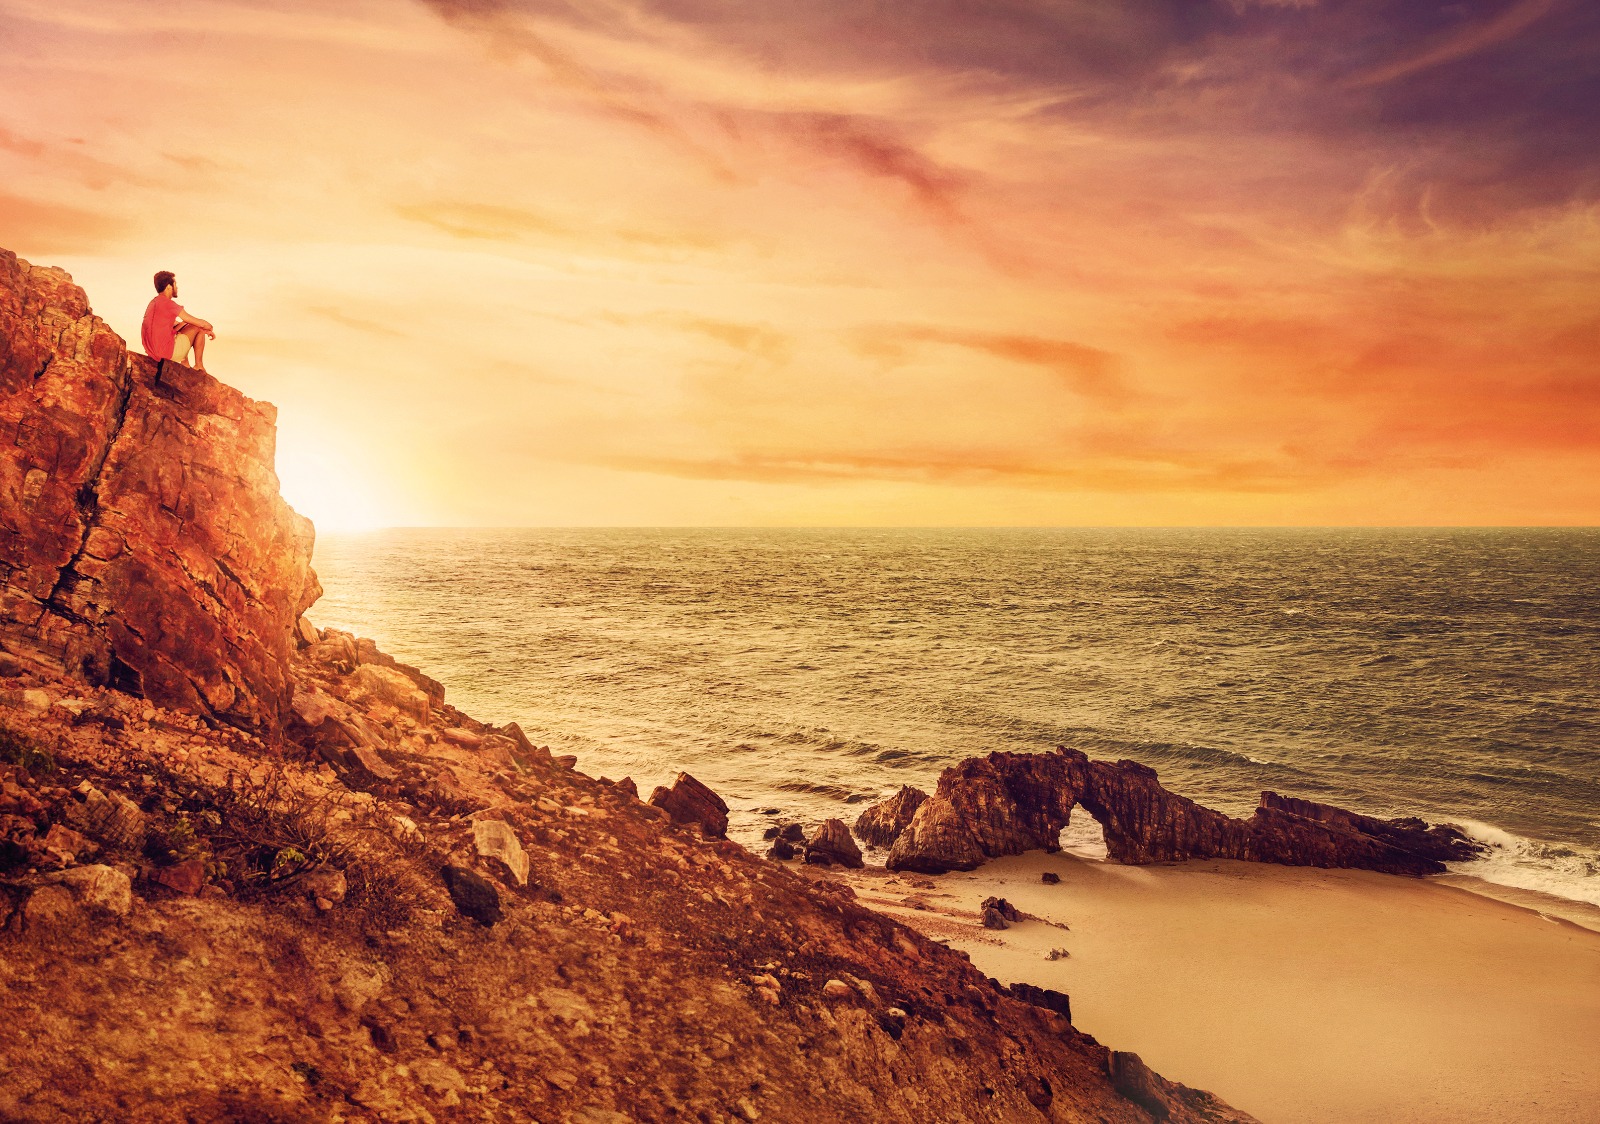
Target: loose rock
{"x":690,"y":802}
{"x":832,"y":841}
{"x":494,"y":839}
{"x":474,"y":895}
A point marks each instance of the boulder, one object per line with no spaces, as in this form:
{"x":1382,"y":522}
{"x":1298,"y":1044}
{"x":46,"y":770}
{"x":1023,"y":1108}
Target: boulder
{"x":1004,"y":908}
{"x":690,"y":802}
{"x":100,"y":888}
{"x":1009,"y":803}
{"x":374,"y":683}
{"x":335,"y":651}
{"x":881,"y":824}
{"x":325,"y":882}
{"x":833,"y":841}
{"x":50,"y":907}
{"x":369,"y":654}
{"x":499,"y":749}
{"x":67,"y":842}
{"x":474,"y":895}
{"x":994,"y":919}
{"x":141,"y":529}
{"x":186,"y":877}
{"x":524,"y":745}
{"x":494,"y":839}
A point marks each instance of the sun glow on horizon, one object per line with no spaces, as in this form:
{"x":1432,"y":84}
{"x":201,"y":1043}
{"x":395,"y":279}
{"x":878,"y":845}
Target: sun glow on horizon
{"x":323,"y":484}
{"x":1171,"y":263}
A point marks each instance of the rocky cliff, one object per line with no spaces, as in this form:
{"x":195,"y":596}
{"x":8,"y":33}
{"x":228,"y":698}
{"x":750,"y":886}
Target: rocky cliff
{"x":255,"y":871}
{"x":143,"y":542}
{"x":1009,"y":803}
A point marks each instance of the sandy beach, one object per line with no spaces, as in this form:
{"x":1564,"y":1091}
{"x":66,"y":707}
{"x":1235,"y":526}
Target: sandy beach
{"x":1296,"y":994}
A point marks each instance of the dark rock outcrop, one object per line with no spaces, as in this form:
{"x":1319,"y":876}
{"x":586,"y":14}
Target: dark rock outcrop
{"x":881,"y":824}
{"x":1009,"y":803}
{"x":831,"y":843}
{"x":690,"y":802}
{"x":474,"y":895}
{"x":143,"y":542}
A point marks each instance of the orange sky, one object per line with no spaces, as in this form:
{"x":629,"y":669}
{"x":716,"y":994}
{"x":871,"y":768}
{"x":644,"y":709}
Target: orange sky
{"x":841,"y":262}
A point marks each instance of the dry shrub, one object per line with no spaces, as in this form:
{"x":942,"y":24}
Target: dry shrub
{"x":265,"y":831}
{"x":25,"y":751}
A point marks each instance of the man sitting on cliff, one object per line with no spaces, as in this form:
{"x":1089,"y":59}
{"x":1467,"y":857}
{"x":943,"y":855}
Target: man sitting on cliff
{"x":169,"y":331}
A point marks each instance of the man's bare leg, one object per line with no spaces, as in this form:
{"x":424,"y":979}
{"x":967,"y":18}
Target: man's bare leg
{"x":189,"y":336}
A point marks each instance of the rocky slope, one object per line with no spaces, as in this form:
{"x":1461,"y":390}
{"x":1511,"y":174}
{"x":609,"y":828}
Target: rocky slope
{"x":1009,"y":803}
{"x":250,"y":870}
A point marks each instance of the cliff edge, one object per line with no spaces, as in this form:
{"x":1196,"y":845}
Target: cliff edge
{"x":255,"y":871}
{"x":143,"y":542}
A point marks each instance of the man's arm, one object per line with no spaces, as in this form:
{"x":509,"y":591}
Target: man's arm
{"x":203,"y":325}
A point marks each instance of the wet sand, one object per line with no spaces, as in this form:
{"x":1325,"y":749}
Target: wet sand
{"x":1296,"y":994}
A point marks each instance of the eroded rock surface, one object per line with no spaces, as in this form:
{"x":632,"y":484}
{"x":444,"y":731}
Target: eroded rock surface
{"x":881,"y":824}
{"x":1009,"y":803}
{"x":143,"y":542}
{"x":690,"y":802}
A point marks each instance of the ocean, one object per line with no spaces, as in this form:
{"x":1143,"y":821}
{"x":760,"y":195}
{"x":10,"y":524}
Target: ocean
{"x":1445,"y":673}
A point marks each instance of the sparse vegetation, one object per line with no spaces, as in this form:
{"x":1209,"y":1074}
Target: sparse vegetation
{"x":18,"y":748}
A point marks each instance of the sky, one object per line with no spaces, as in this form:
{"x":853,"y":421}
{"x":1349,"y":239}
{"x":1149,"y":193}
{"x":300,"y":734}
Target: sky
{"x":851,"y":262}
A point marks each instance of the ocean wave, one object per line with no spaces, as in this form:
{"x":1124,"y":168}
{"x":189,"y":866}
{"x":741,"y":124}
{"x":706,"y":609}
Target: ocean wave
{"x":1562,"y":870}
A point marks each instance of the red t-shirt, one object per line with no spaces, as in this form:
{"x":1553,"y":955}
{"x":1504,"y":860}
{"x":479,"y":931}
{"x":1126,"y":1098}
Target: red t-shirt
{"x":160,"y":326}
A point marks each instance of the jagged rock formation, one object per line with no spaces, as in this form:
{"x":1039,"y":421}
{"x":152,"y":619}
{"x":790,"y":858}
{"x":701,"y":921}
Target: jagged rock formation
{"x":831,"y":843}
{"x":143,"y":542}
{"x":690,"y":802}
{"x":350,"y":901}
{"x":881,"y":824}
{"x":1009,"y":803}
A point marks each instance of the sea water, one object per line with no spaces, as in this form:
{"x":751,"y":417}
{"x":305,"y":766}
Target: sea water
{"x":1448,"y":674}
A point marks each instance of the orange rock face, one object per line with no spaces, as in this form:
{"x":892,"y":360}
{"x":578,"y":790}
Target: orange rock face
{"x":143,"y":542}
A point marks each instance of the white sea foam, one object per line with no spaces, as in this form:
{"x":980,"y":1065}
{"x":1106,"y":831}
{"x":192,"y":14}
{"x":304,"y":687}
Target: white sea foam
{"x":1558,"y":869}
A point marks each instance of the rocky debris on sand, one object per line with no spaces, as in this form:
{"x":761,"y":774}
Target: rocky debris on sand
{"x":494,"y":839}
{"x":1057,"y":954}
{"x":474,"y":895}
{"x":1050,"y":878}
{"x":690,"y":802}
{"x":832,"y":843}
{"x":1009,"y":803}
{"x":1004,"y":908}
{"x":788,"y":832}
{"x":881,"y":824}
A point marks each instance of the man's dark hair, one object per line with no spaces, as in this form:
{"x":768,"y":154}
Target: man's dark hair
{"x":163,"y":279}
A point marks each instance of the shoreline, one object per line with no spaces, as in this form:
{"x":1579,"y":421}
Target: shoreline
{"x":1296,"y":993}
